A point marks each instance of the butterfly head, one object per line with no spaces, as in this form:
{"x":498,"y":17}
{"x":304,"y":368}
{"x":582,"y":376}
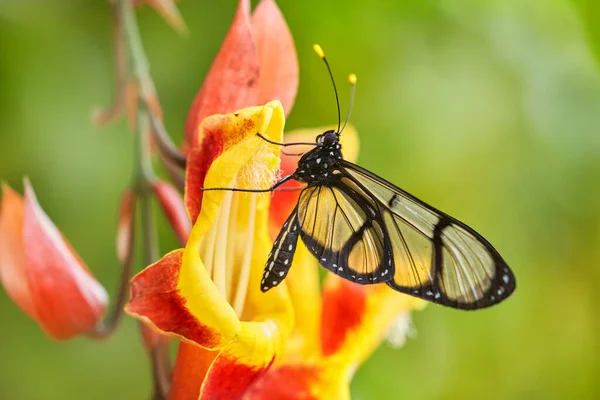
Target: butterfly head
{"x":328,"y":138}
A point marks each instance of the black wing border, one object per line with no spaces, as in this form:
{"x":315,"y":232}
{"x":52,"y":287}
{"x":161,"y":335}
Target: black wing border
{"x":503,"y":282}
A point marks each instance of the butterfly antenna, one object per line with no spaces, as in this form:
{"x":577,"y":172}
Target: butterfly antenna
{"x":321,"y":54}
{"x":352,"y":80}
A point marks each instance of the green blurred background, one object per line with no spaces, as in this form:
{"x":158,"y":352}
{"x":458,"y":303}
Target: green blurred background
{"x":489,"y":110}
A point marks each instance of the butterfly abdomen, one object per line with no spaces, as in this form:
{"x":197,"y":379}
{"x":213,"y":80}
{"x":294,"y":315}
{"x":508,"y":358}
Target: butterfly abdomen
{"x":280,"y":259}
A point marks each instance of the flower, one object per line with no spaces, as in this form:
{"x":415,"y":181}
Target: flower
{"x":40,"y":271}
{"x":237,"y":342}
{"x":245,"y":344}
{"x":202,"y":294}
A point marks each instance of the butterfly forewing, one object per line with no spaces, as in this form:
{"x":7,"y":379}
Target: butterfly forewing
{"x":412,"y":253}
{"x":341,"y":229}
{"x":436,"y":257}
{"x":282,"y":255}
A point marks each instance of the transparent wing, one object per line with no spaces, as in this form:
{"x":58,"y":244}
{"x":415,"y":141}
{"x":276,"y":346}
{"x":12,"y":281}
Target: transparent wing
{"x":344,"y":231}
{"x":436,"y":257}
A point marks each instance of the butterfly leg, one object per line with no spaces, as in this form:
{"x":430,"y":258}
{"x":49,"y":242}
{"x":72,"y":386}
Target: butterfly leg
{"x":271,"y":189}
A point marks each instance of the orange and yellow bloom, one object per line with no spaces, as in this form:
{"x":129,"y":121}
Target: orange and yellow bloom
{"x":298,"y":340}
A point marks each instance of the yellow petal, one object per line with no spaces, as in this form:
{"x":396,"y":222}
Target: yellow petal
{"x":206,"y":285}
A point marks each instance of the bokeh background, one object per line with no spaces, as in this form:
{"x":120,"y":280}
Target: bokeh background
{"x":489,"y":110}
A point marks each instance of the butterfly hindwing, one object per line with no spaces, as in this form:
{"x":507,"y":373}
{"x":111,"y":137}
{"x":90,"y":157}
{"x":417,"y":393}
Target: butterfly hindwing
{"x":344,"y":231}
{"x":282,"y":254}
{"x":437,"y":257}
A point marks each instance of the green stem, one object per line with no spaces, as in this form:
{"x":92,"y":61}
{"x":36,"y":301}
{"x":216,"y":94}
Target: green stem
{"x":143,"y":184}
{"x":141,"y":71}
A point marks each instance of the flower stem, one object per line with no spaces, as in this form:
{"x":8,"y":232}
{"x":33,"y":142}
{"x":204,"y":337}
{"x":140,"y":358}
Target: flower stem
{"x":149,"y":125}
{"x":108,"y":326}
{"x":145,"y":177}
{"x":141,"y":72}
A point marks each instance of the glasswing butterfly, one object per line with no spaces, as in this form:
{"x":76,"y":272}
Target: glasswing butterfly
{"x":369,"y":231}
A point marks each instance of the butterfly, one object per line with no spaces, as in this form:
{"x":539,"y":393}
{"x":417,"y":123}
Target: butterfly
{"x":367,"y":230}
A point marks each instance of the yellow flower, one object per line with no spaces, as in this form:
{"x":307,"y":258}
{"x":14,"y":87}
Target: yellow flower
{"x":240,"y":341}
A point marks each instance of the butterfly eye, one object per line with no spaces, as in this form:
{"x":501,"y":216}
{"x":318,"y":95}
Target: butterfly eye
{"x":330,"y":137}
{"x":320,"y":139}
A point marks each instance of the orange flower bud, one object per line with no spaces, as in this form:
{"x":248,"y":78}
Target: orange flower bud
{"x":41,"y":272}
{"x":233,"y":79}
{"x":276,"y":54}
{"x":171,"y":201}
{"x":256,"y":64}
{"x":125,"y":226}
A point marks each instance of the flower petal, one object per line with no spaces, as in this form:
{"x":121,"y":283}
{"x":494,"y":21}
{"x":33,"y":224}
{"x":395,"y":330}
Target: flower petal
{"x":124,"y":235}
{"x":182,"y":294}
{"x":172,"y":204}
{"x":12,"y":251}
{"x":300,"y":382}
{"x":220,"y":132}
{"x":356,"y":318}
{"x":66,"y":298}
{"x":305,"y":293}
{"x":241,"y":362}
{"x":190,"y":370}
{"x":277,"y":55}
{"x":156,"y":299}
{"x":233,"y":79}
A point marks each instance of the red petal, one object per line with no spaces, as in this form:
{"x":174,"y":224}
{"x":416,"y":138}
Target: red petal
{"x":285,"y":383}
{"x":155,"y":297}
{"x":220,"y":133}
{"x":233,"y":79}
{"x":125,"y":226}
{"x":12,"y":251}
{"x":229,"y":378}
{"x":344,"y":305}
{"x":190,"y":369}
{"x":198,"y":163}
{"x":171,"y":202}
{"x":283,"y":202}
{"x":277,"y":55}
{"x":67,"y":300}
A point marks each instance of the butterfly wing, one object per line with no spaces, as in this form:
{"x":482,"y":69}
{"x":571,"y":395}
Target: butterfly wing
{"x":282,"y":254}
{"x":344,"y":231}
{"x":436,"y":257}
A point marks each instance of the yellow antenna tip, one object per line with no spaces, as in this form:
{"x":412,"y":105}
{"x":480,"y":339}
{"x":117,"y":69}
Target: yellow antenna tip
{"x":352,"y":79}
{"x":318,"y":50}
